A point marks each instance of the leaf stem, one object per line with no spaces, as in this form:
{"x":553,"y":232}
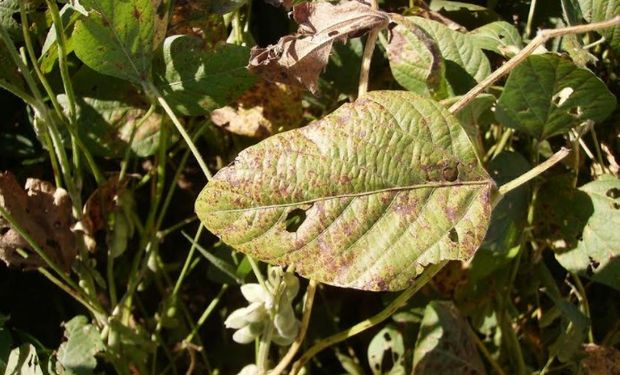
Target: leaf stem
{"x":539,"y":40}
{"x":150,"y":87}
{"x":305,"y":321}
{"x":397,"y":303}
{"x":369,"y":48}
{"x":554,"y":159}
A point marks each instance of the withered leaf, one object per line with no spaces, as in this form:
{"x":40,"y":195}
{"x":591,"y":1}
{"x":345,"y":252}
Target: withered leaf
{"x":266,"y":109}
{"x":299,"y":59}
{"x":42,"y":210}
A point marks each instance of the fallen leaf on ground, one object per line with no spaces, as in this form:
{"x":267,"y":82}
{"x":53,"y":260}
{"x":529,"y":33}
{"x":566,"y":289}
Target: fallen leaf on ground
{"x":43,"y":211}
{"x":299,"y":59}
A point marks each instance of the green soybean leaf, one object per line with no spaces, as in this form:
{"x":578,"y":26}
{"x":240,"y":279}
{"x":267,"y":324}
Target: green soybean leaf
{"x":499,"y":37}
{"x":601,"y":10}
{"x":196,"y":81}
{"x":24,"y":360}
{"x":465,"y":62}
{"x":444,"y":343}
{"x":597,"y":251}
{"x":386,"y":352}
{"x":416,"y":61}
{"x":108,"y":110}
{"x":77,"y":354}
{"x":116,"y":38}
{"x":548,"y":95}
{"x":365,"y":198}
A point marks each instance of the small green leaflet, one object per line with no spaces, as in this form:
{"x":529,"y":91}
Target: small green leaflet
{"x":365,"y":198}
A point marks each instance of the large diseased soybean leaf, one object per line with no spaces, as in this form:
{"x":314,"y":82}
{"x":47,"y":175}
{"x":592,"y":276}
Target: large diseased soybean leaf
{"x":196,"y":81}
{"x":548,"y":95}
{"x":601,"y":10}
{"x":365,"y":198}
{"x":116,"y":38}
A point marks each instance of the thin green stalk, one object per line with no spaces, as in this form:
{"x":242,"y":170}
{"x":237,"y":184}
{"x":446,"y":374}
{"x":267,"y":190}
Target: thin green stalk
{"x":534,"y":172}
{"x":257,"y":273}
{"x":150,"y":88}
{"x":305,"y":322}
{"x":205,"y":315}
{"x":542,"y":37}
{"x":398,"y":302}
{"x":188,"y":259}
{"x":75,"y":295}
{"x":37,"y":249}
{"x":62,"y":61}
{"x":23,"y":95}
{"x":597,"y":147}
{"x":512,"y":341}
{"x":485,"y":352}
{"x":530,"y":18}
{"x":34,"y":60}
{"x":61,"y":41}
{"x":110,"y":277}
{"x":10,"y":46}
{"x":173,"y":184}
{"x":173,"y":228}
{"x":583,"y":299}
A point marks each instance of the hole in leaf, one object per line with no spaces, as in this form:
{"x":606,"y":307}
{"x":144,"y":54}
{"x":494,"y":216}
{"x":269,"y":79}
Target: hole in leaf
{"x":575,"y":112}
{"x":387,"y":337}
{"x":453,"y":236}
{"x":450,"y":173}
{"x":294,"y":219}
{"x":333,"y":32}
{"x":4,"y":230}
{"x":616,"y":206}
{"x":387,"y":363}
{"x":594,"y":263}
{"x":613,"y":193}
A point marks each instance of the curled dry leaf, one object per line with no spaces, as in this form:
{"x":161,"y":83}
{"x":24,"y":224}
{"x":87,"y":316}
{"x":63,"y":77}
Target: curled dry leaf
{"x":299,"y":59}
{"x":266,"y":109}
{"x":42,"y":210}
{"x":101,"y":203}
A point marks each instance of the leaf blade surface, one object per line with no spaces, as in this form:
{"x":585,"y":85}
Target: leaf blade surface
{"x":378,"y":190}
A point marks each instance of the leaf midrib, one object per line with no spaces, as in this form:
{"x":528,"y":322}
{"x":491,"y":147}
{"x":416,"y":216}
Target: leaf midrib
{"x":430,"y":185}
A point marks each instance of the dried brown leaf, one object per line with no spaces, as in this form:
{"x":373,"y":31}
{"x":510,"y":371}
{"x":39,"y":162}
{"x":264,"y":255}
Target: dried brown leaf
{"x":43,"y":211}
{"x":601,"y":360}
{"x":299,"y":59}
{"x":266,"y":109}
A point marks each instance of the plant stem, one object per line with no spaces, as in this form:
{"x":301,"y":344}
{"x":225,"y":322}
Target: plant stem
{"x":583,"y":299}
{"x":150,"y":88}
{"x":369,"y":48}
{"x":305,"y":321}
{"x":554,"y":159}
{"x":188,"y":259}
{"x":530,"y":19}
{"x":398,"y":302}
{"x":539,"y":40}
{"x":206,"y":313}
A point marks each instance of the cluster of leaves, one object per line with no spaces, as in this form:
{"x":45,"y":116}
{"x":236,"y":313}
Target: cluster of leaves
{"x":124,"y":103}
